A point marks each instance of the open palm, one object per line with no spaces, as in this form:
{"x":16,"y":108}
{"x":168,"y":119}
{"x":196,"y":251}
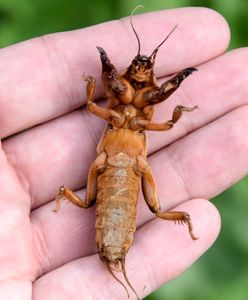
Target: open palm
{"x":48,"y":139}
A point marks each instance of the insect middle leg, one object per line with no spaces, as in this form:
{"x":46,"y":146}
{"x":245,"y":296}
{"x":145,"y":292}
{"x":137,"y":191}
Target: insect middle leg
{"x":177,"y":113}
{"x":151,"y":197}
{"x":104,"y":113}
{"x":97,"y":166}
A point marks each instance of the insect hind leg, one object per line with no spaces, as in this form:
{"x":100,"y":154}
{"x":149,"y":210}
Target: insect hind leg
{"x":179,"y":216}
{"x":151,"y":197}
{"x":97,"y":166}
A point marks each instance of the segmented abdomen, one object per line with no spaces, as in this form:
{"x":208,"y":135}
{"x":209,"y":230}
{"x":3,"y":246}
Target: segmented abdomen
{"x":116,"y":205}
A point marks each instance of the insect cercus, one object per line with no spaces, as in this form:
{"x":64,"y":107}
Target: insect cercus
{"x":121,"y":166}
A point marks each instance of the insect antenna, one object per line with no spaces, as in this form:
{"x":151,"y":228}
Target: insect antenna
{"x":126,"y":278}
{"x":106,"y":263}
{"x":154,"y":53}
{"x":131,"y":23}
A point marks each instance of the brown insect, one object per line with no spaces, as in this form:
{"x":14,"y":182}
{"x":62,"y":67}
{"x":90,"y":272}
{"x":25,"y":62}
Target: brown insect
{"x":121,"y":165}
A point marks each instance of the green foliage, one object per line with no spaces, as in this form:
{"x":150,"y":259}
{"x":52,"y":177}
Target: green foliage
{"x":20,"y":20}
{"x":222,"y":273}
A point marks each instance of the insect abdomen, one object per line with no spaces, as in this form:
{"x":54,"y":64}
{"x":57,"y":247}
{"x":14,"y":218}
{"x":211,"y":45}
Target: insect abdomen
{"x":116,"y":211}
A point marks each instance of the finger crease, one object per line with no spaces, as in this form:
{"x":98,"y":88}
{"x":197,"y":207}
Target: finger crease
{"x":20,"y":170}
{"x":42,"y":253}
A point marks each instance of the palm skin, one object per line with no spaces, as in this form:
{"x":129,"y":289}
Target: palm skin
{"x":55,"y":255}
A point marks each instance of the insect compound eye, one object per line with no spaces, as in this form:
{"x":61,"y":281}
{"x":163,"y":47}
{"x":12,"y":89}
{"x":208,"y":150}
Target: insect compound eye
{"x":136,"y":62}
{"x":145,"y":61}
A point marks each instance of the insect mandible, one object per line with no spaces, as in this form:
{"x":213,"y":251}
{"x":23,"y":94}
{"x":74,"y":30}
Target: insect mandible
{"x":121,"y":166}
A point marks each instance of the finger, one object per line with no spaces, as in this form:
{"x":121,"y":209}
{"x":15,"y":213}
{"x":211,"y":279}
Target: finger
{"x":66,"y":146}
{"x":172,"y":252}
{"x":15,"y":289}
{"x":43,"y":75}
{"x":17,"y":260}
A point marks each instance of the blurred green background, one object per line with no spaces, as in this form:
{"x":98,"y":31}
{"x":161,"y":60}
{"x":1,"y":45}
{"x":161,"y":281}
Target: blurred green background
{"x":222,"y":273}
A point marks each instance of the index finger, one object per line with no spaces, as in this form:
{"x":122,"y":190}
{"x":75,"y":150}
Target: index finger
{"x":42,"y":76}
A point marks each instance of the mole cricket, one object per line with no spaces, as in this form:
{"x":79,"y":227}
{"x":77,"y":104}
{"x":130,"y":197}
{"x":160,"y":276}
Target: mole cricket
{"x":121,"y":166}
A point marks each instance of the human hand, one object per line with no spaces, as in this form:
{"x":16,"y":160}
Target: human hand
{"x":55,"y":255}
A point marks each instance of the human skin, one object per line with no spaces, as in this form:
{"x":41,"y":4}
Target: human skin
{"x":206,"y":152}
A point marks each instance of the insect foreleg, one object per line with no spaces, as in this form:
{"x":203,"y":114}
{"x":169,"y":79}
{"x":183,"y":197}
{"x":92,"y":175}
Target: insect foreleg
{"x":177,"y":113}
{"x":110,"y":77}
{"x":167,"y":88}
{"x":107,"y":66}
{"x":151,"y":197}
{"x":97,"y":166}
